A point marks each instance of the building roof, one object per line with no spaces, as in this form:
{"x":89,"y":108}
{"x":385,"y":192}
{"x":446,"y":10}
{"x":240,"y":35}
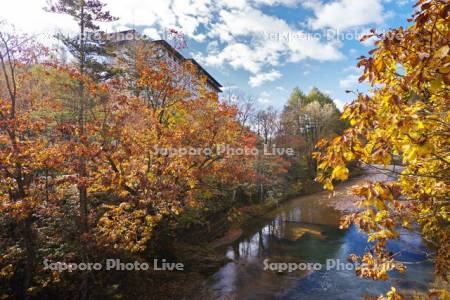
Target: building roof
{"x":213,"y":81}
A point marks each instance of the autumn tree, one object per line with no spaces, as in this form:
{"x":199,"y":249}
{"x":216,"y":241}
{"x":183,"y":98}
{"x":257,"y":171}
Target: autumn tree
{"x":169,"y":109}
{"x":28,"y":160}
{"x":405,"y":114}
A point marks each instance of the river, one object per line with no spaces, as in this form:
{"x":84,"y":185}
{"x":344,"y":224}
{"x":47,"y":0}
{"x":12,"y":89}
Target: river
{"x":306,"y":230}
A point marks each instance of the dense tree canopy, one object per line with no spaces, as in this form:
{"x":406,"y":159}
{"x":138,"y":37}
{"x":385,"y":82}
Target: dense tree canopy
{"x":87,"y":164}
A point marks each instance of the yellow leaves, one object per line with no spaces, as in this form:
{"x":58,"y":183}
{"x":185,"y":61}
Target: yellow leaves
{"x":406,"y":224}
{"x":5,"y":105}
{"x":340,"y":172}
{"x":321,"y":143}
{"x":328,"y":185}
{"x":346,"y":113}
{"x":380,"y":64}
{"x":153,"y":219}
{"x":349,"y":155}
{"x":381,"y":215}
{"x":409,"y":153}
{"x":406,"y":115}
{"x":381,"y":235}
{"x":416,"y":107}
{"x":444,"y":70}
{"x":127,"y":227}
{"x":6,"y":272}
{"x":443,"y":52}
{"x":392,"y":295}
{"x":437,"y":84}
{"x":346,"y":221}
{"x":400,"y":267}
{"x":374,"y":266}
{"x":192,"y":183}
{"x":440,"y":293}
{"x":359,"y":190}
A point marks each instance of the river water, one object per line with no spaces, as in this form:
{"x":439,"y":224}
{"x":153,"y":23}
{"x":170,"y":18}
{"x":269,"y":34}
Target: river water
{"x":306,"y":230}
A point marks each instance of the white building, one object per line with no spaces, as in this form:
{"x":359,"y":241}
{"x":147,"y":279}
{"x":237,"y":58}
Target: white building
{"x":167,"y":52}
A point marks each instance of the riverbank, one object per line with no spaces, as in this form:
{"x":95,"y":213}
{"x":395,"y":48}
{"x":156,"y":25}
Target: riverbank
{"x":204,"y":259}
{"x":253,"y":213}
{"x":342,"y":200}
{"x":306,"y":230}
{"x":248,"y":213}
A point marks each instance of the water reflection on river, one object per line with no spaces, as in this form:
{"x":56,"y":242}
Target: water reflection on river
{"x":305,"y":230}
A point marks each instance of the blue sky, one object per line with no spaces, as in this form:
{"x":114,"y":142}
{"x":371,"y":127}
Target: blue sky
{"x":263,"y":47}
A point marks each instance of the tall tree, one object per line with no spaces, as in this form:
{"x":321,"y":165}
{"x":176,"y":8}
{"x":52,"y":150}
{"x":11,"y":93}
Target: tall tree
{"x":266,"y":124}
{"x":86,"y":48}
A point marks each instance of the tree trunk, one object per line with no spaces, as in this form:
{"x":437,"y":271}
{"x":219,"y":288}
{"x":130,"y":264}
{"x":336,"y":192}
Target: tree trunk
{"x":82,"y":189}
{"x":82,"y":172}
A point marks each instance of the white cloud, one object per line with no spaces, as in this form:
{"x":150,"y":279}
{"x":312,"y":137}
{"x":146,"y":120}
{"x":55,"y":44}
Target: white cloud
{"x":229,"y":87}
{"x":238,"y":55}
{"x":344,"y":14}
{"x":246,"y":3}
{"x":349,"y":81}
{"x":30,"y":17}
{"x":400,"y":2}
{"x":152,"y":33}
{"x":213,"y":47}
{"x":264,"y":97}
{"x":259,"y":79}
{"x":278,"y":2}
{"x":353,"y":51}
{"x":185,"y":15}
{"x":351,"y":68}
{"x":340,"y":103}
{"x":248,"y":21}
{"x":253,"y":39}
{"x":233,"y":3}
